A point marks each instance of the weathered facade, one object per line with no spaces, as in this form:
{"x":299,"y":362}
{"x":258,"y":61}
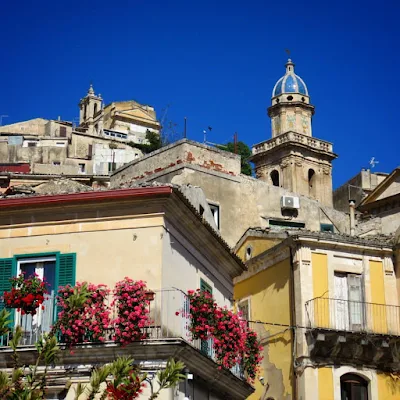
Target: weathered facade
{"x":148,"y":233}
{"x":240,"y":201}
{"x":326,"y":308}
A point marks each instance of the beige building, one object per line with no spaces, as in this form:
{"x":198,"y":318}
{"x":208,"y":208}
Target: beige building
{"x":237,"y":201}
{"x":146,"y":233}
{"x":103,"y":141}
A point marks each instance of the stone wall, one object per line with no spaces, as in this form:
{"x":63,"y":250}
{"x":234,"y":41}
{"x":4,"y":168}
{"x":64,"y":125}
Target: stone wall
{"x":243,"y":201}
{"x":177,"y":155}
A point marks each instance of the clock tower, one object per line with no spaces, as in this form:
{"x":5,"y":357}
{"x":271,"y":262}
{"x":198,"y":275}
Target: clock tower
{"x":293,"y":159}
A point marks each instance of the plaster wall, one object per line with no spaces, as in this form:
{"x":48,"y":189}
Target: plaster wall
{"x":107,"y":250}
{"x":268,"y":293}
{"x":35,"y":126}
{"x":244,"y":201}
{"x":178,"y":254}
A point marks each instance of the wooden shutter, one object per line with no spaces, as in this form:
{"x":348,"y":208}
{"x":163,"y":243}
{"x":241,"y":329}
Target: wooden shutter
{"x":7,"y":270}
{"x":356,"y":306}
{"x":66,"y":272}
{"x":66,"y":269}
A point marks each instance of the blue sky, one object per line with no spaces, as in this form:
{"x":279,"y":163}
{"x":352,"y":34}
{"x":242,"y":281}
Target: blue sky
{"x":214,"y":62}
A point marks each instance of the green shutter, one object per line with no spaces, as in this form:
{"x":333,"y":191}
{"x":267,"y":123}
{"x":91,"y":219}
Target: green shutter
{"x":66,"y":272}
{"x":6,"y":272}
{"x":205,"y":345}
{"x":205,"y":287}
{"x":66,"y":269}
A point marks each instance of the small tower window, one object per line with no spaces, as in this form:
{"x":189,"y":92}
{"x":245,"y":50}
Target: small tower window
{"x":290,"y":98}
{"x":96,"y":128}
{"x":84,"y":112}
{"x":311,"y":182}
{"x":95,"y":109}
{"x":275,"y":177}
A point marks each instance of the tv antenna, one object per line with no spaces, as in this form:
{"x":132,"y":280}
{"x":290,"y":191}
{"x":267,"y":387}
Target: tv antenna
{"x":373,"y":162}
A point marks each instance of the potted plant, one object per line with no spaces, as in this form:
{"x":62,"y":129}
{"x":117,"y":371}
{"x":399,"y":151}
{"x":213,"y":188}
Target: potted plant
{"x":27,"y":293}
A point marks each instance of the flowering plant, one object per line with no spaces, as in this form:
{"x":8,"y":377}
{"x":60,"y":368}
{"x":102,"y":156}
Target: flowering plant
{"x":126,"y":387}
{"x":229,"y":337}
{"x":84,"y":315}
{"x":252,"y":354}
{"x":202,"y":314}
{"x":233,"y":342}
{"x":132,"y":308}
{"x":26,"y":294}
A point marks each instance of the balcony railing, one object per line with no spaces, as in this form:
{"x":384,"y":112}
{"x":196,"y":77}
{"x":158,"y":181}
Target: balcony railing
{"x":353,"y":316}
{"x":292,"y":137}
{"x":169,"y":315}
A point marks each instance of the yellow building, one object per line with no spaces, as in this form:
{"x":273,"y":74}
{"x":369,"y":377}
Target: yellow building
{"x":326,"y":307}
{"x":146,"y":233}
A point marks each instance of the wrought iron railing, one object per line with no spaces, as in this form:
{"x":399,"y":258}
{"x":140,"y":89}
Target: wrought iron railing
{"x":169,"y":316}
{"x":355,"y":316}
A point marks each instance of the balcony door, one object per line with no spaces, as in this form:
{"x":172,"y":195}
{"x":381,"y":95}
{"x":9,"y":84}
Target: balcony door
{"x":349,"y":306}
{"x":44,"y":268}
{"x":353,"y":387}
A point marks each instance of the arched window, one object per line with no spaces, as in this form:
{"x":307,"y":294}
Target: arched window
{"x":353,"y":387}
{"x":95,"y":109}
{"x":96,"y":128}
{"x":311,"y":182}
{"x":275,"y":177}
{"x":84,"y":112}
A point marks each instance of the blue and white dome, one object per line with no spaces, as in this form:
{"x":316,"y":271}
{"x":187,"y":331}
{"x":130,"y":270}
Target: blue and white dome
{"x":290,"y":82}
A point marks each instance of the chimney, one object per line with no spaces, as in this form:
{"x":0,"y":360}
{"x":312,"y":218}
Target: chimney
{"x":352,"y":206}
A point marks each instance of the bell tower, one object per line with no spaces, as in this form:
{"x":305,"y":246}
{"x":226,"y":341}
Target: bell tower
{"x":91,"y":112}
{"x":293,"y":159}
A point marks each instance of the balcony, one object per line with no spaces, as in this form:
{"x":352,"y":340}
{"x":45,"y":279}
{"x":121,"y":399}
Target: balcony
{"x":170,"y":321}
{"x":292,"y":137}
{"x":353,"y":331}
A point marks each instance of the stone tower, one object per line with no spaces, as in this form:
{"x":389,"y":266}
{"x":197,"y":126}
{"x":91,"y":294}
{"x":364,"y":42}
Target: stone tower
{"x":293,"y":159}
{"x":91,"y":112}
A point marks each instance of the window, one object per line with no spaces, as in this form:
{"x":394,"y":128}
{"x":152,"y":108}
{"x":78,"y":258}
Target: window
{"x":249,"y":252}
{"x":90,"y":151}
{"x":312,"y":182}
{"x":82,"y":168}
{"x":63,"y":131}
{"x":205,"y":287}
{"x":32,"y":144}
{"x":275,"y":177}
{"x":327,"y":228}
{"x":353,"y":387}
{"x":60,"y":144}
{"x":111,"y":167}
{"x":95,"y":109}
{"x":215,"y":212}
{"x":56,"y":163}
{"x":244,"y":308}
{"x":58,"y":270}
{"x":349,"y":306}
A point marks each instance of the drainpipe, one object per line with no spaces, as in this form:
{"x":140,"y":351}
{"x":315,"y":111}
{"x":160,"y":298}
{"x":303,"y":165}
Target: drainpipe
{"x":352,"y":206}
